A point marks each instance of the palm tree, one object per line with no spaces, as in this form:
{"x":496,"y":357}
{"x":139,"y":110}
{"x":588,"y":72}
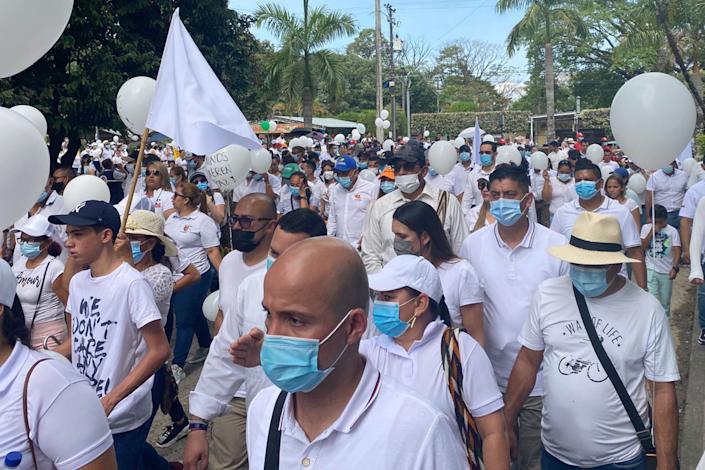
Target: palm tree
{"x":303,"y":64}
{"x":541,"y":21}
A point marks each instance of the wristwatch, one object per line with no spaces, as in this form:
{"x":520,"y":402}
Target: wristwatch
{"x":197,"y":426}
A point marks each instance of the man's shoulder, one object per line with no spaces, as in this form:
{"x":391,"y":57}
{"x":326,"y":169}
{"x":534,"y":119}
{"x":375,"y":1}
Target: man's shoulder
{"x":549,"y":236}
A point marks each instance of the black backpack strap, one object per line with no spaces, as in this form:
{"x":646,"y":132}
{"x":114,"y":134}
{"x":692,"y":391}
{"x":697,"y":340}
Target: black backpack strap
{"x":271,"y":457}
{"x":642,"y":433}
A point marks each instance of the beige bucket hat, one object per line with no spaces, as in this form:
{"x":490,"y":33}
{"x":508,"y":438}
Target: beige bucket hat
{"x":148,"y":223}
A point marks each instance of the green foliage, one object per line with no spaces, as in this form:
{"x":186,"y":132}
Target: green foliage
{"x":451,"y":124}
{"x":700,"y":144}
{"x":462,"y":107}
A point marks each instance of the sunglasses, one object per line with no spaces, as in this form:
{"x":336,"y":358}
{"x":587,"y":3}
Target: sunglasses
{"x":152,"y":173}
{"x":481,"y":184}
{"x":245,"y":220}
{"x":406,"y":166}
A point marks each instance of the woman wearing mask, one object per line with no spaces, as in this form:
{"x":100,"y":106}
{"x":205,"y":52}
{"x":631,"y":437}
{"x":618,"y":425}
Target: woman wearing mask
{"x":386,"y":181}
{"x":66,"y":425}
{"x":410,"y":312}
{"x":86,"y":167}
{"x":196,"y":235}
{"x":418,"y":231}
{"x":158,"y":189}
{"x":616,"y":189}
{"x":559,"y":189}
{"x":176,"y":176}
{"x":328,"y":179}
{"x":40,"y":285}
{"x":480,"y":215}
{"x":215,"y":203}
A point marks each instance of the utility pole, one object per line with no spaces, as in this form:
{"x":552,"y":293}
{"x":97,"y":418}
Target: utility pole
{"x":392,"y":85}
{"x":378,"y":57}
{"x":408,"y":105}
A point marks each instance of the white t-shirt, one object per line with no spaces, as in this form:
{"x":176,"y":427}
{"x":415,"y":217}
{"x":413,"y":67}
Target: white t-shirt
{"x":194,"y":234}
{"x":28,"y":283}
{"x":162,"y":281}
{"x":384,"y":426}
{"x":668,"y":190}
{"x":67,"y":425}
{"x":421,"y":370}
{"x":584,"y":423}
{"x":162,"y":200}
{"x":611,"y":165}
{"x":661,"y":259}
{"x":233,"y":271}
{"x":107,"y":313}
{"x":629,"y":204}
{"x":460,"y":287}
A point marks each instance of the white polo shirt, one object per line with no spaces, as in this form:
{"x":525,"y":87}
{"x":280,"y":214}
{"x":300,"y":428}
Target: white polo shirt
{"x":509,"y":278}
{"x":691,"y":200}
{"x":561,"y":193}
{"x":460,"y":287}
{"x":668,"y":190}
{"x":583,"y":422}
{"x":565,"y":217}
{"x":194,"y":234}
{"x":67,"y":425}
{"x":461,"y":177}
{"x":162,"y":201}
{"x":348,"y":209}
{"x":421,"y":370}
{"x":383,"y":427}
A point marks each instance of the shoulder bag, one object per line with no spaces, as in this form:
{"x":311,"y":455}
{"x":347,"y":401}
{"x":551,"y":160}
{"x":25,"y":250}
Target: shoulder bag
{"x":271,"y":456}
{"x":39,"y":297}
{"x":442,"y":206}
{"x":25,"y":409}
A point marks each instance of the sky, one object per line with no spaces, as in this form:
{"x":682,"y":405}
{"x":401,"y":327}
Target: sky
{"x":435,"y":21}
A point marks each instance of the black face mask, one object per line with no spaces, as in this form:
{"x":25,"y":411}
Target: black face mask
{"x":58,"y":186}
{"x":244,"y":241}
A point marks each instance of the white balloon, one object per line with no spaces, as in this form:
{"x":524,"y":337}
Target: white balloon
{"x":442,"y":157}
{"x":34,"y":115}
{"x":606,"y":172}
{"x":594,"y":153}
{"x":637,"y":183}
{"x":458,"y":142}
{"x":28,"y":29}
{"x":426,"y":133}
{"x":361,"y":128}
{"x":379,"y":122}
{"x":210,"y":305}
{"x":340,"y":138}
{"x":116,"y":139}
{"x":85,"y":188}
{"x":228,"y":166}
{"x":356,"y":135}
{"x":386,"y":124}
{"x":688,"y":164}
{"x":134,"y":138}
{"x":384,"y":114}
{"x":510,"y":154}
{"x":133,"y":101}
{"x":539,"y":161}
{"x":388,"y":145}
{"x":502,"y":159}
{"x":368,"y":175}
{"x":652,"y":117}
{"x":25,"y":166}
{"x":272,"y":126}
{"x":295,"y":142}
{"x":260,"y":160}
{"x":488,"y":138}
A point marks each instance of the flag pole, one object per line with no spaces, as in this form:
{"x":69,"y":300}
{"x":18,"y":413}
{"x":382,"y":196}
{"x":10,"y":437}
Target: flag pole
{"x":135,"y":176}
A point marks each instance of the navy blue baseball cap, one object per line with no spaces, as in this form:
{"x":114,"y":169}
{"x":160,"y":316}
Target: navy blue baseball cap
{"x":345,"y":163}
{"x":90,"y":213}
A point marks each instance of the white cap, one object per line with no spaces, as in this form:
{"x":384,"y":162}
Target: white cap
{"x":487,"y":138}
{"x":408,"y":271}
{"x":37,"y":226}
{"x":8,"y":284}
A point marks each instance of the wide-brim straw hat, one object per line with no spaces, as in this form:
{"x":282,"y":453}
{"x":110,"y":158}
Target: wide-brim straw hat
{"x":595,"y":240}
{"x":148,"y":223}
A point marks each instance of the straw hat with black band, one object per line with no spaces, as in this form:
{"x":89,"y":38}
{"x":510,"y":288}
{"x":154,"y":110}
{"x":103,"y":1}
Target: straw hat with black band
{"x":596,"y":240}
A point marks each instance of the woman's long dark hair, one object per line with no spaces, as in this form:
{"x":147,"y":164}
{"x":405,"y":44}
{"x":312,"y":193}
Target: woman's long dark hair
{"x":420,"y":217}
{"x":13,"y":326}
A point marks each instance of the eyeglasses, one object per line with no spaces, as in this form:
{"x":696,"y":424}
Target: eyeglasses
{"x":152,"y":172}
{"x":245,"y":220}
{"x":180,"y":195}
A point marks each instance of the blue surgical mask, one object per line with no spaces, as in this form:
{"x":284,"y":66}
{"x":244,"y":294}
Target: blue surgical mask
{"x":565,"y":177}
{"x":257,"y":177}
{"x":591,"y":282}
{"x":172,"y":180}
{"x":668,"y":170}
{"x":432,"y":172}
{"x":192,"y":165}
{"x":344,"y":181}
{"x":137,"y":253}
{"x":202,"y":185}
{"x":586,"y":189}
{"x":30,"y":250}
{"x":464,"y":156}
{"x":269,"y":263}
{"x":362,"y":165}
{"x":485,"y":159}
{"x":387,"y":186}
{"x":386,"y":318}
{"x":292,"y":363}
{"x":42,"y":197}
{"x":506,"y":211}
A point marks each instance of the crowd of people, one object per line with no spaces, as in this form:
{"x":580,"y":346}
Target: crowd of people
{"x":372,"y":313}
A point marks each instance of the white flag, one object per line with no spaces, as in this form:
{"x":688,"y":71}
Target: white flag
{"x":190,"y":105}
{"x":476,"y":142}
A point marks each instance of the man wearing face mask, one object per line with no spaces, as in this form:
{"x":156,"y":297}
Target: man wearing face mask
{"x":350,"y":200}
{"x":220,"y":378}
{"x":331,"y":404}
{"x":588,"y":185}
{"x":257,"y":183}
{"x":667,"y":186}
{"x":461,"y":171}
{"x":471,"y":195}
{"x":410,"y":169}
{"x":585,"y":424}
{"x":511,"y":260}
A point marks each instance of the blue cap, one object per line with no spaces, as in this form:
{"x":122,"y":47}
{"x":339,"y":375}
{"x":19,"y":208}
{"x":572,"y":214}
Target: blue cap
{"x":622,"y":172}
{"x":90,"y":213}
{"x":13,"y":459}
{"x":345,"y":163}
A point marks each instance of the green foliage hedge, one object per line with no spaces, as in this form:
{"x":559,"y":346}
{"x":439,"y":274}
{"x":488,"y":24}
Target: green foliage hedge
{"x":453,"y":123}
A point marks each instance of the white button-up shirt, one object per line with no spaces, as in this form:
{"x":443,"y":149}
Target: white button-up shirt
{"x":472,"y":196}
{"x":383,"y":427}
{"x":461,"y":177}
{"x":509,"y":279}
{"x":348,"y":210}
{"x":378,"y":238}
{"x":668,"y":191}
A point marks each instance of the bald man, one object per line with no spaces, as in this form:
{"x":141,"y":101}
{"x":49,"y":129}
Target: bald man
{"x":241,"y":303}
{"x":334,"y":410}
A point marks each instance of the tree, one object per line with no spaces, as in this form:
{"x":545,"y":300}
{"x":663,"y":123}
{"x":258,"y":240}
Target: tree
{"x":541,"y":19}
{"x":303,"y":64}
